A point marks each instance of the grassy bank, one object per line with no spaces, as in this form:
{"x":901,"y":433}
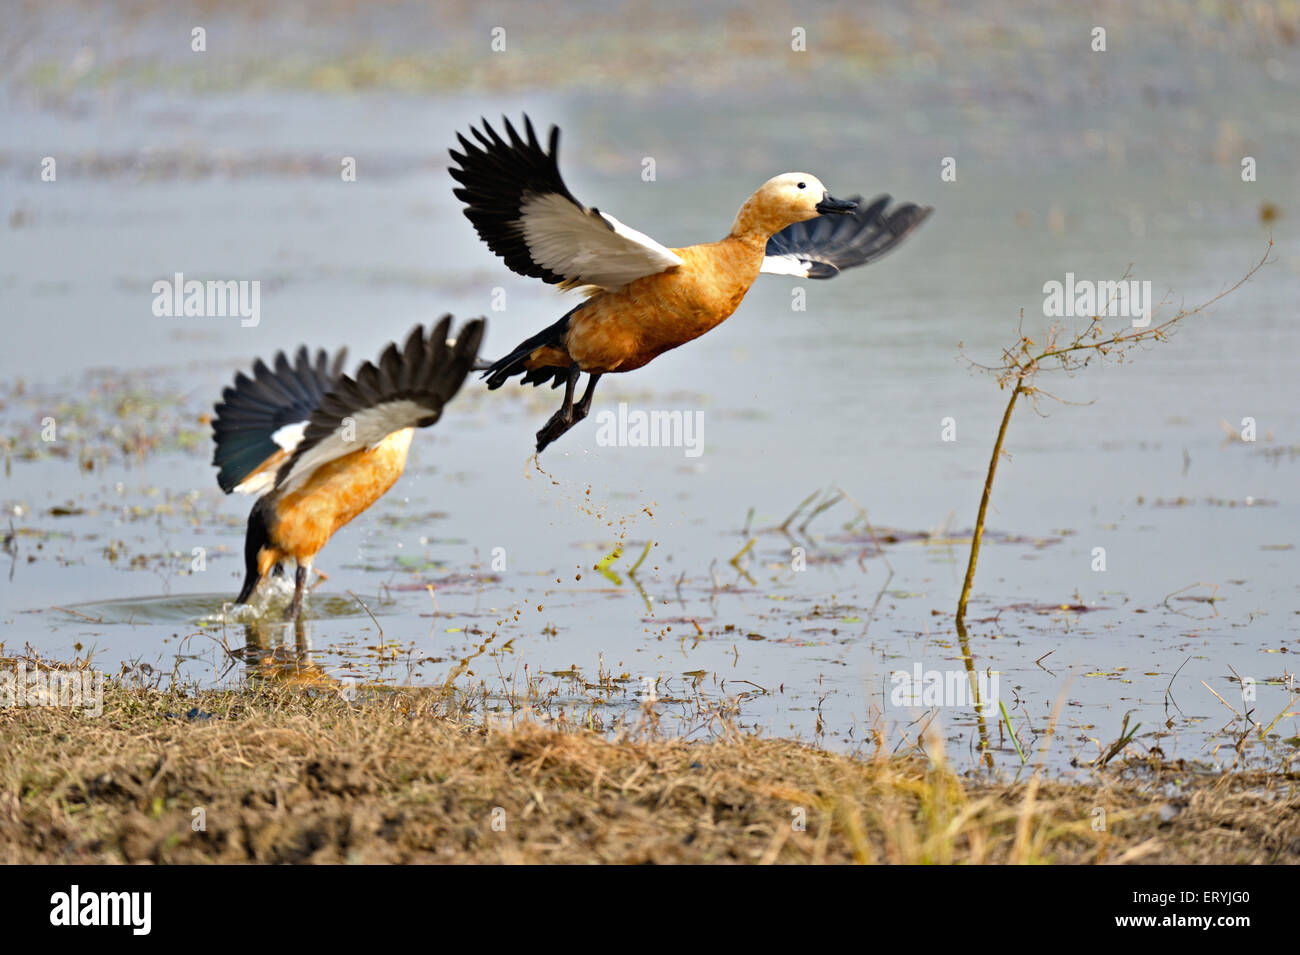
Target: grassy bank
{"x":275,"y":775}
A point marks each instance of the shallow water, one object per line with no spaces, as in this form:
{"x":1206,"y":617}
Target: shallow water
{"x":1066,"y":163}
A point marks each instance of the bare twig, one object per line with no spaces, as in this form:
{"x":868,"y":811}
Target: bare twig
{"x":1022,"y":362}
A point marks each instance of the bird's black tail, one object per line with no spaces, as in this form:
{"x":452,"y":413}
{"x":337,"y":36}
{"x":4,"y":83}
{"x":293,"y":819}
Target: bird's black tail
{"x":503,"y":369}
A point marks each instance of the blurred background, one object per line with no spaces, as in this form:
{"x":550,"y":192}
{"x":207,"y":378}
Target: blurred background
{"x":225,"y":164}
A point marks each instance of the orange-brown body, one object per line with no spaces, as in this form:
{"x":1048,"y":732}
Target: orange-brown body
{"x":617,"y":331}
{"x":337,"y":491}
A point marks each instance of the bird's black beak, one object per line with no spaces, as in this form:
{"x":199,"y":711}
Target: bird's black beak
{"x":832,"y":206}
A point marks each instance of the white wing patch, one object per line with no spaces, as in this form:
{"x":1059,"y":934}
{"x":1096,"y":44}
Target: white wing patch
{"x":588,"y":247}
{"x":290,"y":436}
{"x":786,"y":265}
{"x":259,"y":483}
{"x":287,"y":439}
{"x":365,"y":429}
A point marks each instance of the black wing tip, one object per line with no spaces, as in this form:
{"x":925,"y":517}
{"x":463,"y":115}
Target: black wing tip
{"x":499,"y":159}
{"x":827,"y":245}
{"x":495,"y":174}
{"x":254,"y":407}
{"x":922,"y":213}
{"x":424,"y":370}
{"x":489,"y":139}
{"x":392,"y":377}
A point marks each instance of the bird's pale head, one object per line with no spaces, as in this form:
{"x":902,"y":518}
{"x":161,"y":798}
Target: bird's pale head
{"x":786,"y":199}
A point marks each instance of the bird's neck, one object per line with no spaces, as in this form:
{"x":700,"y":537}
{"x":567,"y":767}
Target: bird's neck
{"x":756,"y":222}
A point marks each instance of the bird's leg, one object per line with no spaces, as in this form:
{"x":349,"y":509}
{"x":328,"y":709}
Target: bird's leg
{"x":563,"y":419}
{"x":299,"y":581}
{"x":584,"y":405}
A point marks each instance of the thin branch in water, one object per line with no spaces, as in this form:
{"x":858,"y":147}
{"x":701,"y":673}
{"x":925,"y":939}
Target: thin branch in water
{"x":1022,"y":362}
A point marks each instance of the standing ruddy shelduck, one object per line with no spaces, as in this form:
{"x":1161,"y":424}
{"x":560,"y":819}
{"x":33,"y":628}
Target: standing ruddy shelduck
{"x":644,"y":299}
{"x":321,"y":447}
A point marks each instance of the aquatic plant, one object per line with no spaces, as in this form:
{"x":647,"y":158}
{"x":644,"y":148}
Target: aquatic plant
{"x":1023,"y":362}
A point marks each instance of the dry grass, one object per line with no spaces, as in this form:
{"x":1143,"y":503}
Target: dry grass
{"x":287,"y":777}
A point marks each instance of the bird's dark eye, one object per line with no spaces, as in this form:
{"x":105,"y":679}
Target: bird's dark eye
{"x":803,"y":185}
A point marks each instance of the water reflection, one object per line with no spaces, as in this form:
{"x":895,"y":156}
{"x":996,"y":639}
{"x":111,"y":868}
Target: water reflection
{"x":272,"y":657}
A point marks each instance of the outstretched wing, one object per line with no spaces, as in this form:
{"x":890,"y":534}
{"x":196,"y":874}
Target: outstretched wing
{"x":406,"y":388}
{"x":521,"y":208}
{"x":820,"y":248}
{"x":260,"y":420}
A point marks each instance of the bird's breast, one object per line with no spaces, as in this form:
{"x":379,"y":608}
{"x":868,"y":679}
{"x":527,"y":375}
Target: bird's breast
{"x":335,"y":493}
{"x":623,"y":330}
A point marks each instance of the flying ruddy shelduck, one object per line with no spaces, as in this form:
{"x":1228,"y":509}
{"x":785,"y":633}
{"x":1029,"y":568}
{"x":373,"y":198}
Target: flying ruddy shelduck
{"x":320,"y":447}
{"x":642,"y":298}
